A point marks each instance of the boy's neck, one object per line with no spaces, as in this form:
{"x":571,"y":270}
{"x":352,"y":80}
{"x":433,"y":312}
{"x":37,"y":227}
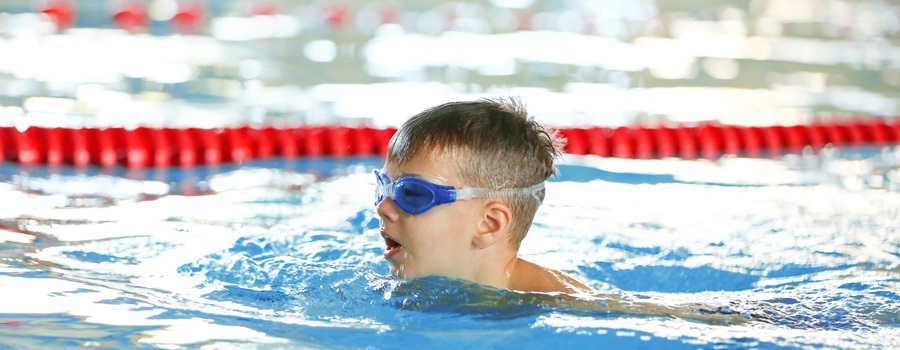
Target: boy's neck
{"x":494,"y":268}
{"x":509,"y":272}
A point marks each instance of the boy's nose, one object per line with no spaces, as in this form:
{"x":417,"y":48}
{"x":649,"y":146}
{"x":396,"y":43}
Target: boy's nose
{"x":388,"y":210}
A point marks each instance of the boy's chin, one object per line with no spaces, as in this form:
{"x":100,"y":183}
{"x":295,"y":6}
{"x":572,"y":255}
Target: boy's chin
{"x":410,"y":275}
{"x":404,"y":272}
{"x":401,"y":272}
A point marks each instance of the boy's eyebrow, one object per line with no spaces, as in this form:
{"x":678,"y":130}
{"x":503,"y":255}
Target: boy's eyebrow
{"x":440,"y":181}
{"x":402,"y":175}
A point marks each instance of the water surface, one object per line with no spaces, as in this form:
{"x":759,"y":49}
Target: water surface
{"x":287,"y":254}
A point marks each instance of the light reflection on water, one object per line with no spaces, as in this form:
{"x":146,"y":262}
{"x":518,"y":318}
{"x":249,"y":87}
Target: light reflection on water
{"x":576,"y":62}
{"x":293,"y":258}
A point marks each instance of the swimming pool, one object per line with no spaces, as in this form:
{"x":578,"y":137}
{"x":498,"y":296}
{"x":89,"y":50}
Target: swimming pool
{"x":287,"y":254}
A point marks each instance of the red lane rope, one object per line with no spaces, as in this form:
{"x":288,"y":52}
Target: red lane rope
{"x":713,"y":141}
{"x":161,"y":148}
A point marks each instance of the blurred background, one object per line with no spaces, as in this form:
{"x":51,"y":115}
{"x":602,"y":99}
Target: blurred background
{"x":217,"y":63}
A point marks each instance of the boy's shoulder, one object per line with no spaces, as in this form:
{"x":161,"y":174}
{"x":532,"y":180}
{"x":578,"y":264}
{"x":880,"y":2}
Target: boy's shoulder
{"x":530,"y":277}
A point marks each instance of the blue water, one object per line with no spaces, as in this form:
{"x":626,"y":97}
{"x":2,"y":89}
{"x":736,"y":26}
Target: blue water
{"x":286,"y":254}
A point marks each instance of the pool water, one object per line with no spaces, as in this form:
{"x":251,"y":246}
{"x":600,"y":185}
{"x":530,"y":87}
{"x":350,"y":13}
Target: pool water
{"x":286,"y":254}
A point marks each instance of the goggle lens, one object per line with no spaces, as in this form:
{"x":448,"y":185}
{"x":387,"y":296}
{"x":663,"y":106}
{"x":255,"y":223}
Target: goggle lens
{"x":380,"y":188}
{"x":413,"y":196}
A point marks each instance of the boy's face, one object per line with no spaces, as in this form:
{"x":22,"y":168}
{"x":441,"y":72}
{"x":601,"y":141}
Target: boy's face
{"x":438,"y":241}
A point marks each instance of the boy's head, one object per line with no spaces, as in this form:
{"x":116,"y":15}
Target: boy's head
{"x":491,"y":144}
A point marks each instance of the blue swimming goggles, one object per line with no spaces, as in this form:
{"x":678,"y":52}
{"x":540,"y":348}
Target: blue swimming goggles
{"x":416,"y":196}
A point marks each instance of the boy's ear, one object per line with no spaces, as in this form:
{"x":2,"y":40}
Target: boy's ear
{"x":493,"y":225}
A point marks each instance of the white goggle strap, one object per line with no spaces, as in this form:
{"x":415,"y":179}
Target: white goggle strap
{"x":480,"y":192}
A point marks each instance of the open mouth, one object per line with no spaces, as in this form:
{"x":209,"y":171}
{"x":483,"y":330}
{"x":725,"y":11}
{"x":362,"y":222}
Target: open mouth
{"x":391,"y":247}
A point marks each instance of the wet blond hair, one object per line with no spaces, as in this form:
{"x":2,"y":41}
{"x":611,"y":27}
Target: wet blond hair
{"x":497,"y":145}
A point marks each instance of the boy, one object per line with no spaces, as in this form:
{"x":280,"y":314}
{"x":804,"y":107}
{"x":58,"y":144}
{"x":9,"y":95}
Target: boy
{"x":459,"y":189}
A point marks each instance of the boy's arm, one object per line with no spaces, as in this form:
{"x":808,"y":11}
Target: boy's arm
{"x":529,"y":277}
{"x":695,"y":311}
